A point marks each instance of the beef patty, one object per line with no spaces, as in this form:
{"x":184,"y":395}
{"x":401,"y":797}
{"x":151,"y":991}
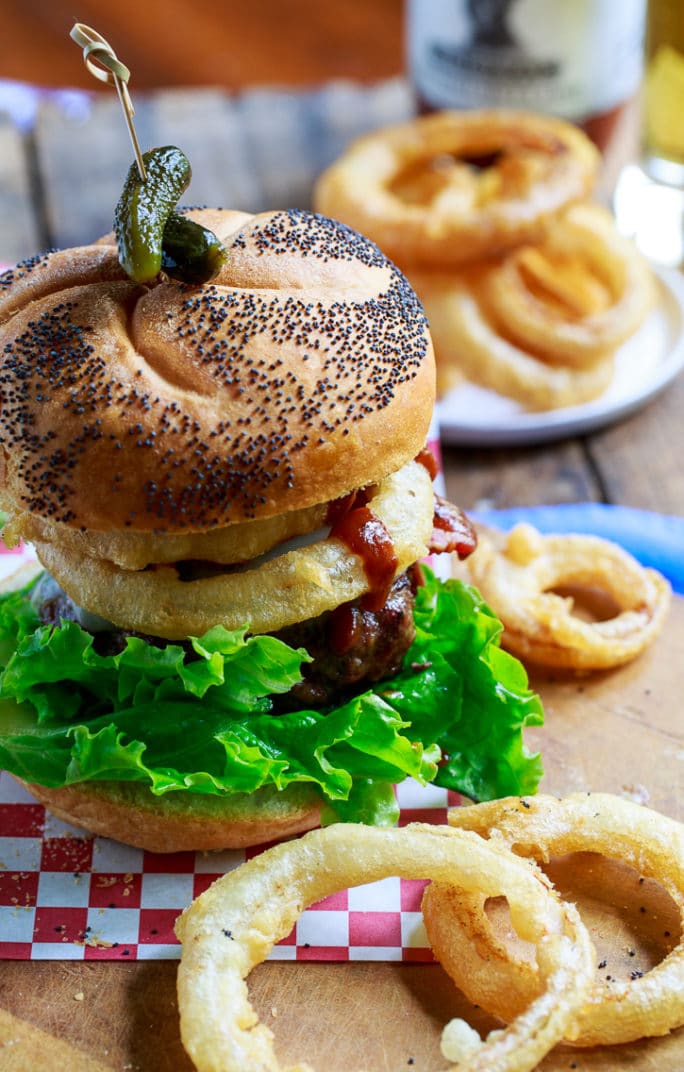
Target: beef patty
{"x":361,"y":641}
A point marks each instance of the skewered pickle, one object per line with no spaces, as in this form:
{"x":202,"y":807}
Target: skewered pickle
{"x":151,"y":235}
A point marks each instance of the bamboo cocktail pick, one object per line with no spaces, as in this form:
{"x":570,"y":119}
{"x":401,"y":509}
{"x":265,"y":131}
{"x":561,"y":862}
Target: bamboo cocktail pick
{"x":103,"y":63}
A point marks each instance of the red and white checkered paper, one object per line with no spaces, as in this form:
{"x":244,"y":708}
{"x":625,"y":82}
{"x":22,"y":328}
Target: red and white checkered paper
{"x":66,"y":895}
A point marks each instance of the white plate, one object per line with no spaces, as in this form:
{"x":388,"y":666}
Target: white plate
{"x":644,"y":365}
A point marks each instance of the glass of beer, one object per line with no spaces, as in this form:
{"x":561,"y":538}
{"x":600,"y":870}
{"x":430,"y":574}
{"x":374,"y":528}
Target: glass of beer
{"x":649,"y":196}
{"x":663,"y":116}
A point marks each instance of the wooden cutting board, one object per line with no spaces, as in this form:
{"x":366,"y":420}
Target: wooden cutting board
{"x":619,"y":732}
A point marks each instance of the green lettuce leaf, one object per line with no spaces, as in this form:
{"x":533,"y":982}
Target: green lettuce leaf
{"x":201,"y":721}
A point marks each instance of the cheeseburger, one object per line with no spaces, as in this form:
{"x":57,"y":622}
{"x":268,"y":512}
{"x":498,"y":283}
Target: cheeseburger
{"x":233,"y":636}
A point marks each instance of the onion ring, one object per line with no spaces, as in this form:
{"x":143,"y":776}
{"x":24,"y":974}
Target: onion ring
{"x":540,"y":625}
{"x":455,"y":186}
{"x":292,"y":587}
{"x":233,"y":926}
{"x":464,"y":337}
{"x":492,"y":976}
{"x":227,"y":544}
{"x":557,"y":319}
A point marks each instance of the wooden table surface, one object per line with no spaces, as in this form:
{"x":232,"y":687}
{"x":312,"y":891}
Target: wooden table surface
{"x":619,"y":732}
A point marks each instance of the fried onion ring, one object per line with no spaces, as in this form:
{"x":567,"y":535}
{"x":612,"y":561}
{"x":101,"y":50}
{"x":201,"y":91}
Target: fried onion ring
{"x":454,"y":186}
{"x":233,"y":926}
{"x":465,"y":338}
{"x":294,"y":586}
{"x":492,"y":976}
{"x":130,"y":550}
{"x":580,"y":293}
{"x":540,"y":625}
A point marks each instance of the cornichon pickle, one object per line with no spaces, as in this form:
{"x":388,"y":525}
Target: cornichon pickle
{"x":190,"y":252}
{"x":150,"y":235}
{"x":144,"y":208}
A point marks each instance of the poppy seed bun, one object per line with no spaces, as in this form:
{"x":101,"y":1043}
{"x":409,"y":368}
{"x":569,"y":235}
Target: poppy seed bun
{"x":182,"y":822}
{"x":303,"y":371}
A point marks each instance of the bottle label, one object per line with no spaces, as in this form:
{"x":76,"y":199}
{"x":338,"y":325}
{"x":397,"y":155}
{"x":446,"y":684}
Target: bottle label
{"x":570,"y":58}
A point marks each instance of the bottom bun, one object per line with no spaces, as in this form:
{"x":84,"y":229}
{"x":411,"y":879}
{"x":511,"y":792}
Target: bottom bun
{"x":182,"y":822}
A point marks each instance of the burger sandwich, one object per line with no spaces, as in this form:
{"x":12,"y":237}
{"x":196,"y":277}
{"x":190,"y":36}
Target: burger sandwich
{"x":232,"y":634}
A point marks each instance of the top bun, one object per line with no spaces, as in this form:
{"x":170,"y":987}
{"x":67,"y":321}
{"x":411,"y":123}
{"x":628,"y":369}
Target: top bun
{"x":302,"y":371}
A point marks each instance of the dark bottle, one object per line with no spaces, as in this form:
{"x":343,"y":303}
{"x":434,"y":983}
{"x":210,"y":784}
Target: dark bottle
{"x":578,"y":59}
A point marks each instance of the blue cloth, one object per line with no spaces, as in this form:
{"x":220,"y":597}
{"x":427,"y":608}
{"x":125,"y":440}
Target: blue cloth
{"x":656,"y":540}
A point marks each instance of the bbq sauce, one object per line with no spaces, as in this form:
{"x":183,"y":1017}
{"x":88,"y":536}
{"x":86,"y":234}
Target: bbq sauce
{"x":428,"y":460}
{"x":366,"y":536}
{"x":339,"y":508}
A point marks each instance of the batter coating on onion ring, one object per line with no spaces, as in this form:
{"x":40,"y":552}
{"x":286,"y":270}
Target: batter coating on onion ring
{"x":517,"y":574}
{"x":135,"y":550}
{"x":539,"y":828}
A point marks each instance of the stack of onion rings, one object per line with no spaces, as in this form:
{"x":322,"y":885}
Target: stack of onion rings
{"x":516,"y":575}
{"x":491,"y":974}
{"x":233,"y":926}
{"x":528,"y":288}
